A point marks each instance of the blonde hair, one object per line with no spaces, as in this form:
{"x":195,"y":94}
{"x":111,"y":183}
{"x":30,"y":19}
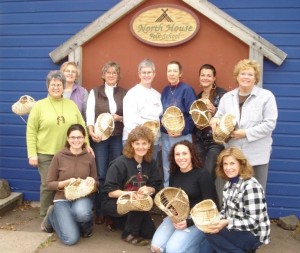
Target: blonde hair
{"x":70,"y":63}
{"x":246,"y":64}
{"x":246,"y":170}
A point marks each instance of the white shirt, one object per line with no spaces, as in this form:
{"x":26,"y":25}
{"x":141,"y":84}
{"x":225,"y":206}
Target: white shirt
{"x":140,"y":105}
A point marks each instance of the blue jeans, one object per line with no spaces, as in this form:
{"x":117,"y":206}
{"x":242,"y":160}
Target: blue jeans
{"x":171,"y":240}
{"x":70,"y":219}
{"x":105,"y":152}
{"x":167,"y":143}
{"x":233,"y":241}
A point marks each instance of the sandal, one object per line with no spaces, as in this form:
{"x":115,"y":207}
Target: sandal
{"x":140,"y":241}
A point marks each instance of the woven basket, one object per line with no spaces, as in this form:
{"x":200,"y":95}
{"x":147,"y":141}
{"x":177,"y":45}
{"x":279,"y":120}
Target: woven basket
{"x":153,"y":125}
{"x":173,"y":120}
{"x":23,"y":105}
{"x":174,"y":202}
{"x":205,"y":213}
{"x":200,"y":115}
{"x":223,"y":130}
{"x":105,"y":125}
{"x":131,"y":201}
{"x":78,"y":189}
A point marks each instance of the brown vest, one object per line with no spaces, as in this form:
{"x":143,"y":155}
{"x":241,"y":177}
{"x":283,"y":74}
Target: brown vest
{"x":102,"y":105}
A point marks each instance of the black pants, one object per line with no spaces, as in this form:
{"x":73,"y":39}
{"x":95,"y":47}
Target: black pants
{"x":135,"y":222}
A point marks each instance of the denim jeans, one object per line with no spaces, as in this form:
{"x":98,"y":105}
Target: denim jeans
{"x":46,"y":195}
{"x":167,"y":143}
{"x":171,"y":240}
{"x":233,"y":241}
{"x":105,"y":152}
{"x":70,"y":219}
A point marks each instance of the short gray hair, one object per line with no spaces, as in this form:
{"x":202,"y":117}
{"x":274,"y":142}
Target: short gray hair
{"x":147,"y":63}
{"x":56,"y":74}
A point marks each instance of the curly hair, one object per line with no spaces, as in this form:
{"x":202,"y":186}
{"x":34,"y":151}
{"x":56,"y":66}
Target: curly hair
{"x":246,"y":64}
{"x":139,"y":132}
{"x":246,"y":170}
{"x":195,"y":156}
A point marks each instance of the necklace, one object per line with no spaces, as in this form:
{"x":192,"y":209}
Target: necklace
{"x":173,"y":91}
{"x":59,"y":118}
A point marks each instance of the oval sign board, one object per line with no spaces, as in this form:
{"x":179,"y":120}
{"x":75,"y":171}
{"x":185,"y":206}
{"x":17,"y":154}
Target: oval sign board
{"x":164,"y":25}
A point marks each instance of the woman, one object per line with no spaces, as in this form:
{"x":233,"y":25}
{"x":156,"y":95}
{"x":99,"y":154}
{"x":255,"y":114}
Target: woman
{"x":47,"y":125}
{"x":256,"y":113}
{"x":135,"y":170}
{"x":106,"y":98}
{"x":186,"y":172}
{"x":244,"y":223}
{"x":73,"y":90}
{"x":178,"y":94}
{"x":142,"y":102}
{"x":71,"y":219}
{"x":209,"y":150}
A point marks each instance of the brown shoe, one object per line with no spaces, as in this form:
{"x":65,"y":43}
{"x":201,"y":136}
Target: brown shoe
{"x":99,"y":220}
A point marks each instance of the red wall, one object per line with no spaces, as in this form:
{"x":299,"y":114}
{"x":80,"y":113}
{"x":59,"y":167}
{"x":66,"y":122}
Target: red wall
{"x":212,"y":44}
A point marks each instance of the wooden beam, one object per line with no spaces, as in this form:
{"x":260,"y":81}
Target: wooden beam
{"x":76,"y":56}
{"x":237,"y":29}
{"x":257,"y":56}
{"x":91,"y":30}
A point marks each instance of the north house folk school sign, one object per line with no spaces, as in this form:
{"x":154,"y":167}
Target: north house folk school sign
{"x":164,"y":25}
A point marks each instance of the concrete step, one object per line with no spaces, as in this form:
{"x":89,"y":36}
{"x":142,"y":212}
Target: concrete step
{"x":9,"y":203}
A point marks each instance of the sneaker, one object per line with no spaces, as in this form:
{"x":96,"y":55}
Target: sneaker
{"x":45,"y":226}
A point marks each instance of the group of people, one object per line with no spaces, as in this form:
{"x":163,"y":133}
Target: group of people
{"x":63,"y":144}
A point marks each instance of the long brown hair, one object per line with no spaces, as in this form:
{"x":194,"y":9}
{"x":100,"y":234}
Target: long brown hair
{"x":195,"y":156}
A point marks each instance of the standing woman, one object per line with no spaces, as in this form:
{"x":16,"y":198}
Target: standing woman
{"x":135,"y":170}
{"x":186,"y":173}
{"x":209,"y":150}
{"x":106,"y":98}
{"x":244,"y":223}
{"x":71,"y":219}
{"x":256,"y":113}
{"x":73,"y":89}
{"x":180,"y":94}
{"x":47,"y":126}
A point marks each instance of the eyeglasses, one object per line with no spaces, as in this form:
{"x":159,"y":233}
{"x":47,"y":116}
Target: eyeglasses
{"x":52,"y":85}
{"x":139,"y":175}
{"x":70,"y":72}
{"x":73,"y":138}
{"x":148,"y":73}
{"x":111,"y":73}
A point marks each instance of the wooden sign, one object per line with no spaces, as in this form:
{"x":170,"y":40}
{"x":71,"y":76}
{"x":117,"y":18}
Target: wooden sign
{"x":164,"y":25}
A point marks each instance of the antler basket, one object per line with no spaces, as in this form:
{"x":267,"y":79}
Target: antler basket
{"x":78,"y":189}
{"x":174,"y":202}
{"x":105,"y":125}
{"x":131,"y":201}
{"x":173,"y":120}
{"x":153,"y":125}
{"x":200,"y":115}
{"x":23,"y":105}
{"x":205,"y":213}
{"x":223,"y":130}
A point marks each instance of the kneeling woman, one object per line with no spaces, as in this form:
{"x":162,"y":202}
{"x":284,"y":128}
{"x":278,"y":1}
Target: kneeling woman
{"x":135,"y":170}
{"x":186,"y":172}
{"x":71,"y":219}
{"x":245,"y":224}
